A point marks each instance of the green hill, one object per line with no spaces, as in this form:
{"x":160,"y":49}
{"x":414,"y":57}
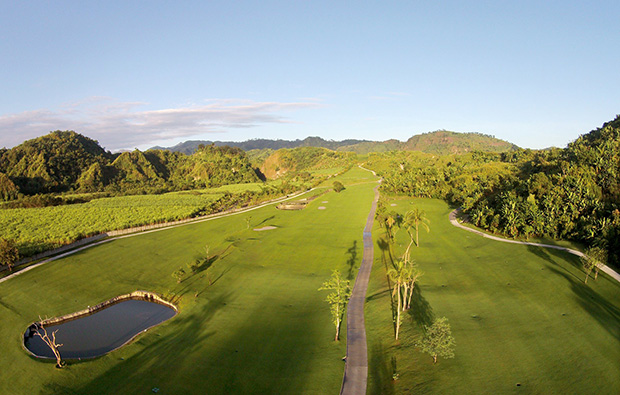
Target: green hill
{"x":67,"y":161}
{"x":443,"y":142}
{"x":51,"y":163}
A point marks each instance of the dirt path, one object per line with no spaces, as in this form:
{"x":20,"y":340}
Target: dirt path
{"x":456,"y":223}
{"x":356,"y":367}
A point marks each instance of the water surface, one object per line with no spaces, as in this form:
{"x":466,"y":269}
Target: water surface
{"x":94,"y":335}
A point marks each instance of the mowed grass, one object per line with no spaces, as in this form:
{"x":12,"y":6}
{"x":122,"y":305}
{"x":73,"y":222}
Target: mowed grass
{"x":523,"y":320}
{"x":262,"y":326}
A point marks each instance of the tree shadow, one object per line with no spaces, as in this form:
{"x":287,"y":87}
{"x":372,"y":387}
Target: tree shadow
{"x":606,"y":313}
{"x":352,"y":252}
{"x":380,"y":371}
{"x":377,"y":295}
{"x":264,"y":221}
{"x":542,"y":253}
{"x":9,"y":307}
{"x":420,"y":311}
{"x":157,"y":354}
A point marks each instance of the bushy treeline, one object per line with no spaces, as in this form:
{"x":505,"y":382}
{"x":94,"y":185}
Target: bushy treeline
{"x":67,"y":161}
{"x":571,"y":193}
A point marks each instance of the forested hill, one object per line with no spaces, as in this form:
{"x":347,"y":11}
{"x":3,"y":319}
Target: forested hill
{"x":440,"y":142}
{"x":67,"y":161}
{"x":443,"y":142}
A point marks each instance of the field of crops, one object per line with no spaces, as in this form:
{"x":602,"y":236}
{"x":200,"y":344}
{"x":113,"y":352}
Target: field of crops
{"x":38,"y":229}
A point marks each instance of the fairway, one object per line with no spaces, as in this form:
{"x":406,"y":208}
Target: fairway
{"x":261,"y":326}
{"x":523,"y":320}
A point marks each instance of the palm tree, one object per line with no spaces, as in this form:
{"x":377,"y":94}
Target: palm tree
{"x":416,"y":218}
{"x":398,"y":275}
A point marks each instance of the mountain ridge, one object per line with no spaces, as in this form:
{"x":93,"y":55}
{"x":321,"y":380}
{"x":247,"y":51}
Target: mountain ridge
{"x":440,"y":142}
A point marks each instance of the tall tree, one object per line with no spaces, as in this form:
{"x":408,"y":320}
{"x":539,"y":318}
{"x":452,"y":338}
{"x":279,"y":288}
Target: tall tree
{"x":438,"y":340}
{"x":398,"y":274}
{"x":337,"y":299}
{"x":414,"y":219}
{"x":9,"y":254}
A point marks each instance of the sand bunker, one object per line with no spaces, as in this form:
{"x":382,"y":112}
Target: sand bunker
{"x":265,"y":228}
{"x":322,"y":207}
{"x":393,"y":204}
{"x":325,"y":201}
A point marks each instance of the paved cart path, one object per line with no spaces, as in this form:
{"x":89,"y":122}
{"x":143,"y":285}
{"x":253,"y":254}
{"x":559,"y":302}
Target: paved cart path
{"x":356,"y":366}
{"x":456,"y":223}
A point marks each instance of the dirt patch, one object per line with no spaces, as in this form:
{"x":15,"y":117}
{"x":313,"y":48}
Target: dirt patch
{"x":322,"y":207}
{"x":265,"y":228}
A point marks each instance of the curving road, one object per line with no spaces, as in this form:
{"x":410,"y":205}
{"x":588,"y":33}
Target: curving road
{"x":356,"y":367}
{"x":456,"y":223}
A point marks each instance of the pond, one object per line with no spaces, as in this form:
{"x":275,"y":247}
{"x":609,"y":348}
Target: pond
{"x":93,"y":335}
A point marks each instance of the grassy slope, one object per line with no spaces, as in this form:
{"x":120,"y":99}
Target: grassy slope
{"x":261,"y":327}
{"x":505,"y":304}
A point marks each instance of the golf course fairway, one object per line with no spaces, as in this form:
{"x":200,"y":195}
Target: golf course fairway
{"x":251,"y":319}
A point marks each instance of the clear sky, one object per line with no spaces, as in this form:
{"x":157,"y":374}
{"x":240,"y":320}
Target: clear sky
{"x":141,"y":73}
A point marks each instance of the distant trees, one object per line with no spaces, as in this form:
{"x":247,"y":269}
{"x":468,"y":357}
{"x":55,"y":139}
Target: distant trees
{"x":9,"y":253}
{"x":438,"y":340}
{"x":338,"y":298}
{"x":8,"y":190}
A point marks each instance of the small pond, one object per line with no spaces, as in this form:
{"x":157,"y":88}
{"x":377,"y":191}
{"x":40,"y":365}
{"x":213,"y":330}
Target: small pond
{"x":96,"y":334}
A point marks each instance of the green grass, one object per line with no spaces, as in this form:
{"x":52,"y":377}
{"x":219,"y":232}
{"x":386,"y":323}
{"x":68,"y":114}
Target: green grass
{"x":262,"y":327}
{"x":519,"y":314}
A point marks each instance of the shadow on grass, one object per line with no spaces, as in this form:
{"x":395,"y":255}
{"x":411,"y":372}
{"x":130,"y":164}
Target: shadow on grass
{"x":264,"y":221}
{"x":9,"y":307}
{"x":420,"y":311}
{"x":380,"y":371}
{"x":352,"y":252}
{"x":604,"y":312}
{"x":548,"y":255}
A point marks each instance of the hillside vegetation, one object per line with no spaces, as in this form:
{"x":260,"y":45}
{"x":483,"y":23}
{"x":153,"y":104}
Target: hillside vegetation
{"x":68,"y":161}
{"x":570,"y":193}
{"x":300,"y":162}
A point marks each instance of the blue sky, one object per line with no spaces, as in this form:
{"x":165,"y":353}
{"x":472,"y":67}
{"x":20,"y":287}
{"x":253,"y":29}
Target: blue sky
{"x":141,"y":73}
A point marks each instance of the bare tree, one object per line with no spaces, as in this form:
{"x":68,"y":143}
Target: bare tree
{"x":50,"y":341}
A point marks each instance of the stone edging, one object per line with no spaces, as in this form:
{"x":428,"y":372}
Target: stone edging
{"x":140,"y":295}
{"x":136,"y":295}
